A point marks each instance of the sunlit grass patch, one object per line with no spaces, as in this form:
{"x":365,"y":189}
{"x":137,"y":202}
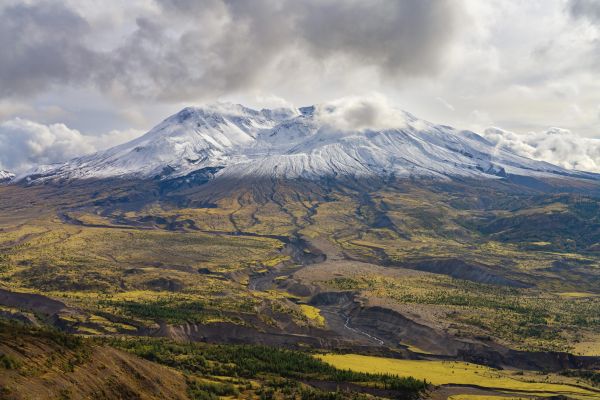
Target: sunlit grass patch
{"x":461,"y":373}
{"x":313,"y":313}
{"x":577,"y":295}
{"x":587,"y":348}
{"x":415,"y":349}
{"x":484,"y":397}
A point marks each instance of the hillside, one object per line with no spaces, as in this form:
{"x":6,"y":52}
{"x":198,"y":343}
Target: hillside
{"x":229,"y":226}
{"x":43,"y":364}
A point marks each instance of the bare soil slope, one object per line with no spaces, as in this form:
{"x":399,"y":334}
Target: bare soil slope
{"x":42,"y":364}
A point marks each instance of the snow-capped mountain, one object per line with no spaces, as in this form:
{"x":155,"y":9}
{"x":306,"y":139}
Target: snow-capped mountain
{"x":291,"y":143}
{"x":6,"y":176}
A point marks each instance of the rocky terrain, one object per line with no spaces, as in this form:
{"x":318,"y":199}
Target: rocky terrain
{"x":285,"y":231}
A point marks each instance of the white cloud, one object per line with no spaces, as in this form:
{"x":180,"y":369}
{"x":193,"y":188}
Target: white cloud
{"x":522,"y":65}
{"x":555,"y":145}
{"x":369,"y":112}
{"x":187,"y":49}
{"x":112,"y":138}
{"x":24,"y":143}
{"x":445,"y":104}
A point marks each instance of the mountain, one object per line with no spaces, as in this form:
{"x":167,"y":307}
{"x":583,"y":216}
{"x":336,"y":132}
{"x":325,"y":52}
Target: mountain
{"x":6,"y":176}
{"x":223,"y":226}
{"x":309,"y":142}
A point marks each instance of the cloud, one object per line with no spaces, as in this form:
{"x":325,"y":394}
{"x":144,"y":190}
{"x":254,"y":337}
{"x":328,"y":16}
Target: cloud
{"x":179,"y":50}
{"x":586,"y":9}
{"x":359,"y":113}
{"x":523,"y":65}
{"x":445,"y":104}
{"x":112,"y":138}
{"x":400,"y":37}
{"x":24,"y":143}
{"x":41,"y":46}
{"x":557,"y":146}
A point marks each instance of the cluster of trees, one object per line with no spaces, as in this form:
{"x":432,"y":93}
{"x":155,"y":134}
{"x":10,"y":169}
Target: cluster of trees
{"x":11,"y":331}
{"x":259,"y":362}
{"x":592,"y":377}
{"x":167,"y":309}
{"x":210,"y":390}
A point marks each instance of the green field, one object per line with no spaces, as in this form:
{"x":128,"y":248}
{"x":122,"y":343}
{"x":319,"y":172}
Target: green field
{"x":460,"y":373}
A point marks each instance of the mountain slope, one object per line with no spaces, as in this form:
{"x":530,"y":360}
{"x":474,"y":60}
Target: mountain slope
{"x":309,"y":142}
{"x":494,"y":271}
{"x":6,"y":176}
{"x":39,"y":363}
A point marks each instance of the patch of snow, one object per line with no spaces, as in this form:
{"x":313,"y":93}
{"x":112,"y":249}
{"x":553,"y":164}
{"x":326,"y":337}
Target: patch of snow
{"x":309,"y":142}
{"x":6,"y":176}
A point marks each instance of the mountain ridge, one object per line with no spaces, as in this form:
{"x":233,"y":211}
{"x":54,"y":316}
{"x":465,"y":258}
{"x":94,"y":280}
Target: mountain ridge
{"x":6,"y":176}
{"x":308,"y":142}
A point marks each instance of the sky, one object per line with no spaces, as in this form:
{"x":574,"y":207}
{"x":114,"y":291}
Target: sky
{"x":77,"y":76}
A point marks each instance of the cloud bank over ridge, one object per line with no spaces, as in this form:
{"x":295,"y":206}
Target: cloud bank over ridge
{"x":522,"y":66}
{"x":556,"y":146}
{"x":25,"y":144}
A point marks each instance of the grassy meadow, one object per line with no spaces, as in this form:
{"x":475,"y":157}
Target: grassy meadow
{"x":461,"y":373}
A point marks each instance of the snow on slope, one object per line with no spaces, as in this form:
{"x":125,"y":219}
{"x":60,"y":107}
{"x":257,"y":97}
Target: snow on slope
{"x":186,"y":141}
{"x":307,"y":142}
{"x":6,"y":176}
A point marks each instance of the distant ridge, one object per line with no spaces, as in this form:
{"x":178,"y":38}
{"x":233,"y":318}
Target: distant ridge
{"x":6,"y":176}
{"x":299,"y":143}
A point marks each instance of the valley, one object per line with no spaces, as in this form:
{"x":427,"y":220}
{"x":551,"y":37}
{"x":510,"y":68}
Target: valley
{"x":299,"y":200}
{"x":267,"y":254}
{"x":388,"y":269}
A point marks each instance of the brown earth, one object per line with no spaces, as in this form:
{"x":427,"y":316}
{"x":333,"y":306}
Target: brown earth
{"x":38,"y":364}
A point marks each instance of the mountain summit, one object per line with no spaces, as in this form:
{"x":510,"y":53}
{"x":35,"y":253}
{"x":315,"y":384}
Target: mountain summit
{"x":6,"y":176}
{"x":309,"y":142}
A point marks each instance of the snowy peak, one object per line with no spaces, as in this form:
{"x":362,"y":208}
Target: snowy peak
{"x":6,"y":176}
{"x":188,"y":140}
{"x":310,"y":142}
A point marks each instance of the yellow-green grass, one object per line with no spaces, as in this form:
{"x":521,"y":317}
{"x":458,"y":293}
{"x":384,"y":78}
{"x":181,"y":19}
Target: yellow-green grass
{"x":415,"y":349}
{"x":512,"y":316}
{"x":83,"y":265}
{"x":484,"y":397}
{"x":587,"y":348}
{"x":63,"y":245}
{"x":313,"y":313}
{"x":577,"y":295}
{"x":84,"y":330}
{"x":459,"y":373}
{"x":509,"y":315}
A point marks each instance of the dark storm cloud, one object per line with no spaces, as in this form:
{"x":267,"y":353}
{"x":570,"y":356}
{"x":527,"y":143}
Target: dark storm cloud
{"x":586,"y":9}
{"x":39,"y":46}
{"x":194,"y":49}
{"x":398,"y":36}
